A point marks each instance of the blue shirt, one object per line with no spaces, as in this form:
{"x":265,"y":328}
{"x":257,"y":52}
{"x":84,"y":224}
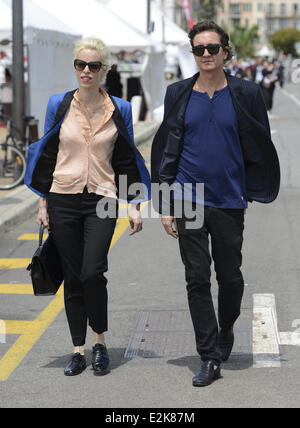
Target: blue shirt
{"x":212,"y":153}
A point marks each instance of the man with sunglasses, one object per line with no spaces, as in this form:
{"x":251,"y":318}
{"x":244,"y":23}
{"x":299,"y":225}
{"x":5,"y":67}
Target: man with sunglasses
{"x":216,"y":132}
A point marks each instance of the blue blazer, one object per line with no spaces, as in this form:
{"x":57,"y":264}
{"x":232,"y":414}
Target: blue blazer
{"x":42,"y":155}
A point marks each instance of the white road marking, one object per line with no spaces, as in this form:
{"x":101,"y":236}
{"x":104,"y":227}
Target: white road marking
{"x":266,"y":337}
{"x":291,"y":96}
{"x":290,"y":338}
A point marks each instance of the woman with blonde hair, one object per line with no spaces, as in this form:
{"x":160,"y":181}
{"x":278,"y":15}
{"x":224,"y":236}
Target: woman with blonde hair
{"x":87,"y":148}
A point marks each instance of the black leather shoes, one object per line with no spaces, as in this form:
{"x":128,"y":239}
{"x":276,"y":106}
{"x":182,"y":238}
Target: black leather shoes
{"x":76,"y":366}
{"x":207,"y":374}
{"x":100,"y":361}
{"x":225,"y":342}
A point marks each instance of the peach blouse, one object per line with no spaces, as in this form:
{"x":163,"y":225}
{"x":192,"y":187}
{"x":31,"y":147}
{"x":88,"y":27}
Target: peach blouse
{"x":87,"y":140}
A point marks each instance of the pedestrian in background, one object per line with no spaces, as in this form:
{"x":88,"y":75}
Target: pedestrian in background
{"x":88,"y":145}
{"x":113,"y":82}
{"x":268,"y":84}
{"x":215,"y":131}
{"x":280,"y":73}
{"x":257,"y":70}
{"x":6,"y":93}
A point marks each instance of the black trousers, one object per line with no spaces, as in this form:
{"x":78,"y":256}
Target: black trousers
{"x":225,"y":228}
{"x":83,"y":241}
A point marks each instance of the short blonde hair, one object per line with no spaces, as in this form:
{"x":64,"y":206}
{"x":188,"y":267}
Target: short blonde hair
{"x":98,"y":45}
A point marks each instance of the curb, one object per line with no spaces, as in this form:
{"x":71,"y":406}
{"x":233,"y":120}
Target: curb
{"x":22,"y":203}
{"x":266,"y":338}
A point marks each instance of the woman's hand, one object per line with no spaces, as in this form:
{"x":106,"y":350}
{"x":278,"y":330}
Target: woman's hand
{"x":42,"y":217}
{"x":135,"y":219}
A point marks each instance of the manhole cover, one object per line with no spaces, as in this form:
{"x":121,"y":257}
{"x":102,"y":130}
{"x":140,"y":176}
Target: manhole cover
{"x":171,"y":334}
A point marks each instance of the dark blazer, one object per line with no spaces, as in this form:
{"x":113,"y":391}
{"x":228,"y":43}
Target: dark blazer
{"x":260,"y":156}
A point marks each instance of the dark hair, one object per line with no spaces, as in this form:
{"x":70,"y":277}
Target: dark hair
{"x":208,"y":25}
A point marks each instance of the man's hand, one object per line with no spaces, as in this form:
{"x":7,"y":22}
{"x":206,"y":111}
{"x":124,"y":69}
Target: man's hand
{"x":168,"y":225}
{"x":135,"y":219}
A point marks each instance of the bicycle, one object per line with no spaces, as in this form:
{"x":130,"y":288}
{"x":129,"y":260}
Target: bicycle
{"x":12,"y":158}
{"x":29,"y":137}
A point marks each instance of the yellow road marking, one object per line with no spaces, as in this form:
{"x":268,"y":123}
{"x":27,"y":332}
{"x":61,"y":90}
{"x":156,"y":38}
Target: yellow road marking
{"x":31,"y":237}
{"x":20,"y":289}
{"x":14,"y":263}
{"x":25,"y":342}
{"x":31,"y":331}
{"x":20,"y":327}
{"x":122,"y":226}
{"x":16,"y":289}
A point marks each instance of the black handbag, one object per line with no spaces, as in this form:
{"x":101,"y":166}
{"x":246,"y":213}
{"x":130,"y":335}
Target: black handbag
{"x":45,"y":268}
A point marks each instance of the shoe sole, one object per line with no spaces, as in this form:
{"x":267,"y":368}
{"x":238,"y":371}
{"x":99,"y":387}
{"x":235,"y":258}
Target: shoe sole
{"x":201,"y":385}
{"x":75,"y":374}
{"x":103,"y":373}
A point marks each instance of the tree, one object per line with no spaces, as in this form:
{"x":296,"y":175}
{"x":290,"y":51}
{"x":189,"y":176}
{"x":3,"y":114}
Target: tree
{"x":284,"y":40}
{"x":208,"y":8}
{"x":243,"y":39}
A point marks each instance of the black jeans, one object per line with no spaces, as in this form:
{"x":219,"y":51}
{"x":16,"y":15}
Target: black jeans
{"x":83,"y":241}
{"x":225,"y":227}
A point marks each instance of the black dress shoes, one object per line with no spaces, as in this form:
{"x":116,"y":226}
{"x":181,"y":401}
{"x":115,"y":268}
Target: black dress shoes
{"x":225,"y":343}
{"x":100,"y":361}
{"x":76,"y":366}
{"x":207,"y":374}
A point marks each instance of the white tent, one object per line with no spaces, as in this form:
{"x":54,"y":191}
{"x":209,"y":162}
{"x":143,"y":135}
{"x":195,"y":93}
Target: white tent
{"x":165,"y":31}
{"x":93,"y":19}
{"x":34,"y":16}
{"x":5,"y":16}
{"x":135,"y":13}
{"x":49,"y":45}
{"x":265,"y":51}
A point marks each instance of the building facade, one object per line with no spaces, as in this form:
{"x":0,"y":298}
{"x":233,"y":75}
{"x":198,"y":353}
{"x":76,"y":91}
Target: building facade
{"x":269,"y":16}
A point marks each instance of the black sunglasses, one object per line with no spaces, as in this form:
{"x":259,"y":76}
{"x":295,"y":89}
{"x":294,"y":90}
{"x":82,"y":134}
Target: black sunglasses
{"x":94,"y":67}
{"x":212,"y":49}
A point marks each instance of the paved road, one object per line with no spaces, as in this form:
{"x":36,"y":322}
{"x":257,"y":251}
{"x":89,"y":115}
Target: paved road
{"x":146,"y":275}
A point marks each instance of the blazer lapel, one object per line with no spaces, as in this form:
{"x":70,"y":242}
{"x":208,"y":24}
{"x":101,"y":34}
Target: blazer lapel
{"x":63,"y":107}
{"x":176,"y":115}
{"x":184,"y":99}
{"x":235,"y":87}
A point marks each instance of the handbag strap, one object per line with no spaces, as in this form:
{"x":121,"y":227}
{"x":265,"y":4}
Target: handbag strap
{"x":41,"y":234}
